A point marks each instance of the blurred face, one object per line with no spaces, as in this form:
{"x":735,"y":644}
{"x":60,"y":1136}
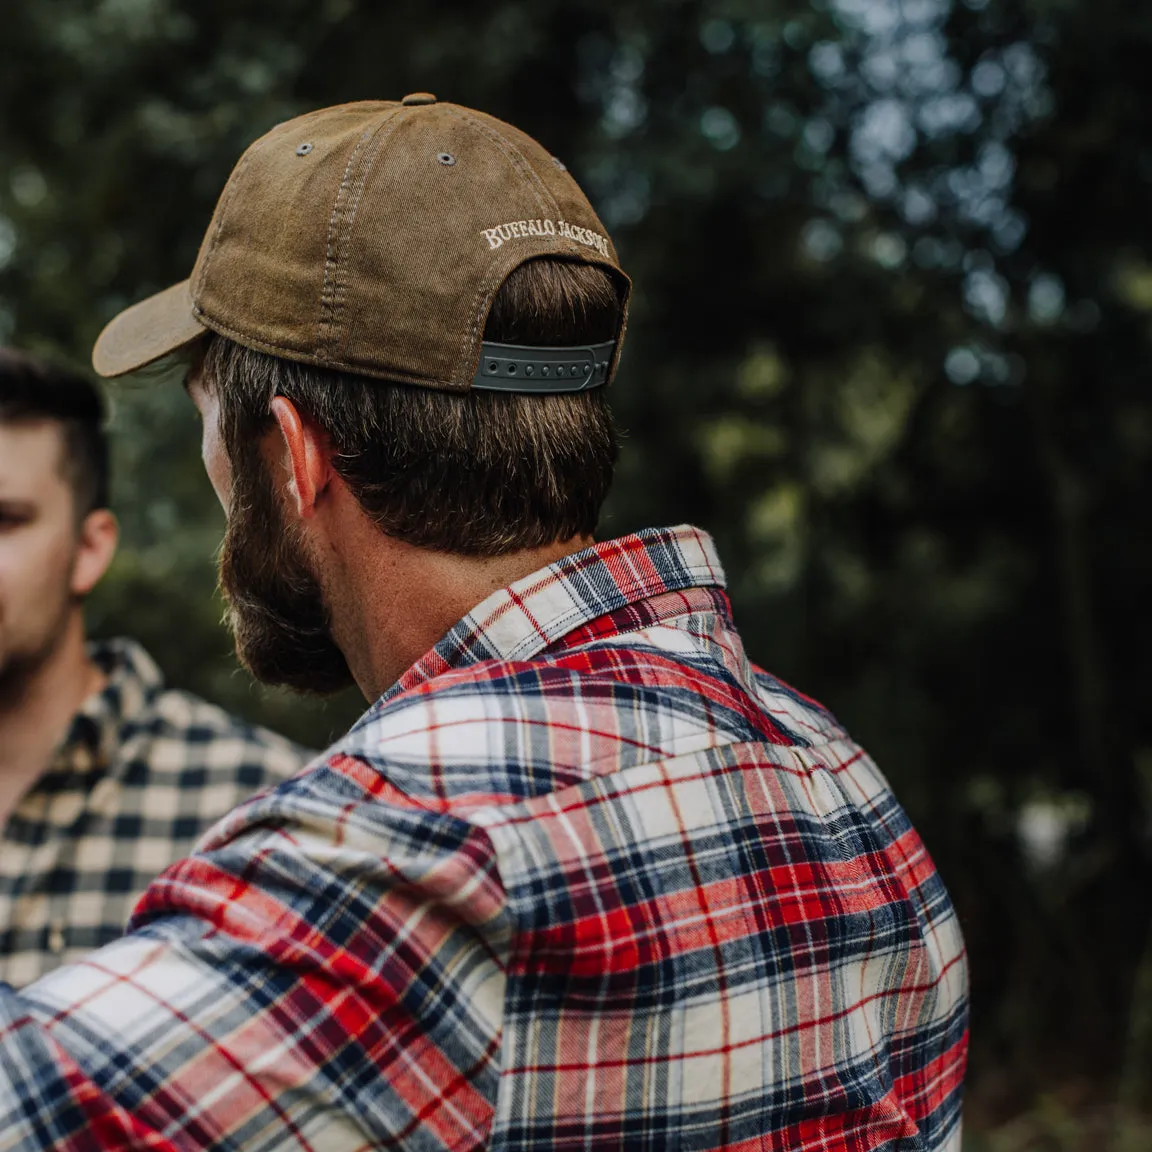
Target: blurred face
{"x":47,"y":561}
{"x":276,"y":604}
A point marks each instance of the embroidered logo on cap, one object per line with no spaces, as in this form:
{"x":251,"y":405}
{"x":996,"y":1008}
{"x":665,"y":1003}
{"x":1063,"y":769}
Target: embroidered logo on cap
{"x":518,"y":229}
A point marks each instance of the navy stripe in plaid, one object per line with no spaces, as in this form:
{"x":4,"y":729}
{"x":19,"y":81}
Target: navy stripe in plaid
{"x":584,"y":878}
{"x":143,"y":772}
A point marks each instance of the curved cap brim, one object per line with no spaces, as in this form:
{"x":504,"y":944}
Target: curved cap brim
{"x":147,"y":331}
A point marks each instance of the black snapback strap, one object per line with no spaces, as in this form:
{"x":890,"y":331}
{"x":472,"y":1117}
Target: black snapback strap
{"x":521,"y":368}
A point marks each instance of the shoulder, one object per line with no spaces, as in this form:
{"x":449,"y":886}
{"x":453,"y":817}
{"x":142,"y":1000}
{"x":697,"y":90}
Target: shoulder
{"x":475,"y":736}
{"x":178,"y":731}
{"x":503,"y":731}
{"x":806,"y":719}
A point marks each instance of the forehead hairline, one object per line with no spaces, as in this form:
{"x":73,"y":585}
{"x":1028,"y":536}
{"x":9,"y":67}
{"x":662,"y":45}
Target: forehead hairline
{"x":34,"y":423}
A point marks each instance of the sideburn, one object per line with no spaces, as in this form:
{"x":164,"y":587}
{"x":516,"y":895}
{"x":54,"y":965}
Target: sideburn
{"x":277,"y":613}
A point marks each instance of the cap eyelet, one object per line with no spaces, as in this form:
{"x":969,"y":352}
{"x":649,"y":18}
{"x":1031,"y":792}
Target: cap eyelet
{"x":447,"y":159}
{"x":305,"y":148}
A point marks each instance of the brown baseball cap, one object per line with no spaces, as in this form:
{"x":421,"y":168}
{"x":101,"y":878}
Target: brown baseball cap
{"x":371,"y":238}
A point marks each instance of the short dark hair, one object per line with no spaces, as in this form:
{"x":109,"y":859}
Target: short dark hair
{"x":32,"y":388}
{"x":478,"y":473}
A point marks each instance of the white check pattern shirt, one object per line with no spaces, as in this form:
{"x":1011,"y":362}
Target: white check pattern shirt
{"x":143,"y":772}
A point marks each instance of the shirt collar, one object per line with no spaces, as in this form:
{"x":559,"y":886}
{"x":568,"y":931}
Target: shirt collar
{"x":133,"y":682}
{"x":529,"y":616}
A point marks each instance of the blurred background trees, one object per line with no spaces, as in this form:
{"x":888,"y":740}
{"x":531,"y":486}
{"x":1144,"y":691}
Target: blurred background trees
{"x":890,"y":344}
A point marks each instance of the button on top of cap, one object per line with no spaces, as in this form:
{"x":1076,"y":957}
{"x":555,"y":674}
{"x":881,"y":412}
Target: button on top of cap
{"x":418,"y":98}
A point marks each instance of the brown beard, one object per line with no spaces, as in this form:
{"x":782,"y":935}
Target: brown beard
{"x":277,"y":612}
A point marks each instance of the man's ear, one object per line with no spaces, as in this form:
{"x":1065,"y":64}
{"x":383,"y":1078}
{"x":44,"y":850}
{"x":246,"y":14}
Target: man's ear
{"x":99,"y":534}
{"x":308,"y":455}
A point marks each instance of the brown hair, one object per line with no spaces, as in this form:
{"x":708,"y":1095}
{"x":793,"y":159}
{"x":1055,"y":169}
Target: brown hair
{"x":479,"y":473}
{"x":35,"y":389}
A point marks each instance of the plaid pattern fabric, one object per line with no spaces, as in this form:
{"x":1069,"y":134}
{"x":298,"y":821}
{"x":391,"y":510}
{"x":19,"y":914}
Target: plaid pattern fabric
{"x":583,"y":879}
{"x":142,"y":773}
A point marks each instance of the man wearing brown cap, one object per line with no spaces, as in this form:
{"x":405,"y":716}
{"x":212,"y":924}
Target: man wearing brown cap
{"x":582,"y":876}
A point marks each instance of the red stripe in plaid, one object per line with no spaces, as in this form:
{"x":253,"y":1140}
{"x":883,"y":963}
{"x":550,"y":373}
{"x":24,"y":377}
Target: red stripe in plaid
{"x":584,"y":878}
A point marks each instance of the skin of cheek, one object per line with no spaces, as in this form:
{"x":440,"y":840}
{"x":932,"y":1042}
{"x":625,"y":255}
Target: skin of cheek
{"x":36,"y":559}
{"x":212,"y":451}
{"x":34,"y":578}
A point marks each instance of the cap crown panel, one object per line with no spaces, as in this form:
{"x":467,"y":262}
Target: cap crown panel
{"x":260,"y":274}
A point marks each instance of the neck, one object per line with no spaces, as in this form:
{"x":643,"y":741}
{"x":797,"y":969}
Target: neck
{"x":391,"y":602}
{"x":36,"y":709}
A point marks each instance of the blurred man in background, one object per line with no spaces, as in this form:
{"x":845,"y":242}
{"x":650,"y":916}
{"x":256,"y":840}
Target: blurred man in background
{"x":582,"y":877}
{"x":106,"y":777}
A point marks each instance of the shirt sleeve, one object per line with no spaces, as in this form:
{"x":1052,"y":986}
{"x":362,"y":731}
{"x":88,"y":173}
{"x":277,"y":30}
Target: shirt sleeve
{"x":327,"y":971}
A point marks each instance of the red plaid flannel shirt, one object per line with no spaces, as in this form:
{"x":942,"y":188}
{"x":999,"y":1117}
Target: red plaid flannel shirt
{"x":583,"y":878}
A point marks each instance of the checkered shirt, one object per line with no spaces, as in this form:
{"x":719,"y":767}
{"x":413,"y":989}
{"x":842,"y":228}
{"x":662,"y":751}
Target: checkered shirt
{"x":142,"y":773}
{"x":584,"y":878}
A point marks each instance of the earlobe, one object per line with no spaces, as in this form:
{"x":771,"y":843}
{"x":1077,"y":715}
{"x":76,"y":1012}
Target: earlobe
{"x":308,"y":452}
{"x":99,"y":534}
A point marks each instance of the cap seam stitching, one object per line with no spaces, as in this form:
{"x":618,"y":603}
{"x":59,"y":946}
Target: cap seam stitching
{"x":332,"y":290}
{"x":373,"y":150}
{"x":515,"y":157}
{"x":323,"y":321}
{"x":223,"y":207}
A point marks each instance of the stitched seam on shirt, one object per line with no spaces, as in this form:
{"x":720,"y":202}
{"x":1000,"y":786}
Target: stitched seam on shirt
{"x":628,"y":592}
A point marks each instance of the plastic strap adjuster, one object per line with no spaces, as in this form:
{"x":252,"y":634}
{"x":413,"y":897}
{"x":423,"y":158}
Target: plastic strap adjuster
{"x":523,"y":368}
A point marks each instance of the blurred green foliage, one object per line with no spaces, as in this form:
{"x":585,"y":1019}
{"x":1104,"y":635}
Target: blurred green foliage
{"x":890,"y":344}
